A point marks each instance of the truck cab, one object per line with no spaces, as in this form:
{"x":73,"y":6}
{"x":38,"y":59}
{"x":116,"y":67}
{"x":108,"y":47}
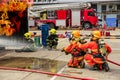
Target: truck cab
{"x":89,"y":18}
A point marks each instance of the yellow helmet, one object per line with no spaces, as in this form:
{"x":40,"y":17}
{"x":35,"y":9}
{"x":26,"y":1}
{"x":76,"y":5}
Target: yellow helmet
{"x":53,"y":31}
{"x":96,"y":34}
{"x":76,"y":34}
{"x":27,"y":35}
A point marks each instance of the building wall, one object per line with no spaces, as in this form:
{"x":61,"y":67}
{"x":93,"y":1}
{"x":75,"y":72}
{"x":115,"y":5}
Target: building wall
{"x":110,"y":12}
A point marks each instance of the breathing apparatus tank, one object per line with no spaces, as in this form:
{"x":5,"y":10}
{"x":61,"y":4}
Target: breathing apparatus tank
{"x":102,"y":47}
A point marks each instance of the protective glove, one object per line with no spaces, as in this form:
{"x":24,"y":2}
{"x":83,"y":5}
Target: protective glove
{"x":82,"y":41}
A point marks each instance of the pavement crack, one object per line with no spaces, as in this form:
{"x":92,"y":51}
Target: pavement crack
{"x":24,"y":78}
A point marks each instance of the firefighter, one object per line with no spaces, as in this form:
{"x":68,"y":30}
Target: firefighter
{"x":30,"y":47}
{"x":52,"y":40}
{"x":96,"y":52}
{"x":74,"y":48}
{"x":27,"y":37}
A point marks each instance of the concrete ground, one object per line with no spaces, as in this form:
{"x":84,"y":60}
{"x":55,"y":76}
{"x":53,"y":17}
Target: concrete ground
{"x":113,"y":74}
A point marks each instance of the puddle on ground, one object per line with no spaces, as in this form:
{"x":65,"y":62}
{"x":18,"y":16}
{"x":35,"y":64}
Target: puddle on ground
{"x":32,"y":63}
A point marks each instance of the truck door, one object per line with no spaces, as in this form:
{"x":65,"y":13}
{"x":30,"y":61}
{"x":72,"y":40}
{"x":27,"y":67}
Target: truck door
{"x":76,"y":18}
{"x":92,"y":18}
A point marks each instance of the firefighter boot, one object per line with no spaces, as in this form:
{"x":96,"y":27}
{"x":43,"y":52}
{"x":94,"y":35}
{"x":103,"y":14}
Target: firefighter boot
{"x":95,"y":67}
{"x":54,"y":47}
{"x":81,"y":64}
{"x":106,"y":67}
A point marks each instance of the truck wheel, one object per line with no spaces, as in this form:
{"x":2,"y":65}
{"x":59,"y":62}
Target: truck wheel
{"x":51,"y":25}
{"x":2,"y":48}
{"x":87,"y":25}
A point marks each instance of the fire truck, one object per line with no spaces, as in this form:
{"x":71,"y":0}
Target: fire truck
{"x":66,"y":14}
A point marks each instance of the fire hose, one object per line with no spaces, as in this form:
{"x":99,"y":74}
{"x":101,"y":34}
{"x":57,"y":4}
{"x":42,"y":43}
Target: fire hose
{"x":44,"y":72}
{"x":113,"y":62}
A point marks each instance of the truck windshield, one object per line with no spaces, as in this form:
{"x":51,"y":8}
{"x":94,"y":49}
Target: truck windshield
{"x":90,"y":13}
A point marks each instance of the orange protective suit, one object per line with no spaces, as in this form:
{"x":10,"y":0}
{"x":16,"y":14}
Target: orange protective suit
{"x":93,"y":46}
{"x":94,"y":56}
{"x":77,"y":54}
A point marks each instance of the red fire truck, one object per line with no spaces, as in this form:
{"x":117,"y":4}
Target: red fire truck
{"x":68,"y":15}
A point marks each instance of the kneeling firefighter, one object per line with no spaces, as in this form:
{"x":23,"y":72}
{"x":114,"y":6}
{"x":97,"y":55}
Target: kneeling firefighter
{"x":52,"y":39}
{"x":30,"y":47}
{"x":74,"y":48}
{"x":96,"y":52}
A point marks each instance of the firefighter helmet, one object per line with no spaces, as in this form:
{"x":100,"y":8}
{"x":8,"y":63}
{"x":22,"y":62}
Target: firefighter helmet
{"x":27,"y":35}
{"x":76,"y":34}
{"x":96,"y":34}
{"x":53,"y":31}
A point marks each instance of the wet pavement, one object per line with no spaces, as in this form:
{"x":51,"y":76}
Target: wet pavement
{"x":32,"y":63}
{"x":48,"y":55}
